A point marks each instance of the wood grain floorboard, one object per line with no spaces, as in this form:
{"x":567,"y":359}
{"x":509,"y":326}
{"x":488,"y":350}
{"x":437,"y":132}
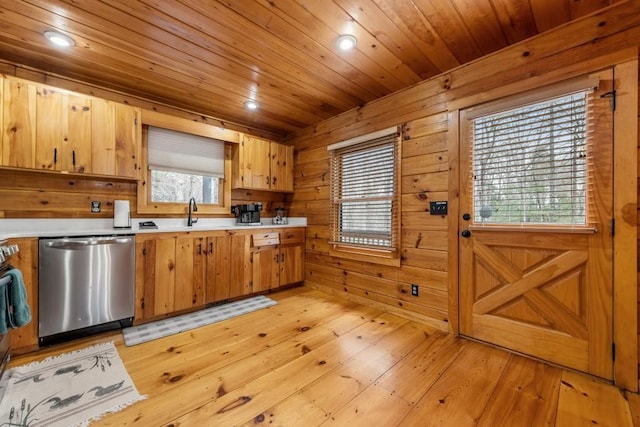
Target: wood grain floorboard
{"x":315,"y":359}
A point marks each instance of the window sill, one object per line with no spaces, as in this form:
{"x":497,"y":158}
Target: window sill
{"x":181,"y":209}
{"x":540,"y":228}
{"x":373,"y":256}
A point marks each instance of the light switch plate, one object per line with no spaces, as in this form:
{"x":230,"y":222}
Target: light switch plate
{"x":438,"y":208}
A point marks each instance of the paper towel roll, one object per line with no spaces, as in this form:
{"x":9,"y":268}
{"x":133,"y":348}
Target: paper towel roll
{"x":121,"y":213}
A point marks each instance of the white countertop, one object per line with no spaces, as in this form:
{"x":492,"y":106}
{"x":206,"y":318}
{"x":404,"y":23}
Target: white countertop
{"x":12,"y":228}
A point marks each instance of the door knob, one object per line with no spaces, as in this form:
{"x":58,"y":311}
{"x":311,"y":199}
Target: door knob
{"x":466,"y":233}
{"x":466,"y":216}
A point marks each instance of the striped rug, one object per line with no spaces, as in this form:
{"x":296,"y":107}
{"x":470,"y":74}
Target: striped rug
{"x":174,"y":325}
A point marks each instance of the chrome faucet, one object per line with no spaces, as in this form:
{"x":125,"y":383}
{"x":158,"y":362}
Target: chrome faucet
{"x":190,"y":219}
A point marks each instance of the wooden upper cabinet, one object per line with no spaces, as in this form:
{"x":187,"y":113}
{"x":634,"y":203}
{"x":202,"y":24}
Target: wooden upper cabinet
{"x":128,"y":140}
{"x":52,"y":129}
{"x":260,"y":164}
{"x":281,"y":167}
{"x":18,"y":124}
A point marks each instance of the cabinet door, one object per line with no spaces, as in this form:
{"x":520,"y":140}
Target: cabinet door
{"x":291,"y":264}
{"x":19,"y":124}
{"x":256,"y":157}
{"x":240,"y":265}
{"x":281,"y":167}
{"x":77,"y":155}
{"x":49,"y":128}
{"x":218,"y":269}
{"x":103,"y":137}
{"x":158,"y":272}
{"x":188,"y":267}
{"x":128,"y":140}
{"x":232,"y":259}
{"x":26,"y":260}
{"x":266,"y":268}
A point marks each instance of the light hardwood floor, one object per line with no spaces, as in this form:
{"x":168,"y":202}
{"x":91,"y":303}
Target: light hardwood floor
{"x":315,"y":359}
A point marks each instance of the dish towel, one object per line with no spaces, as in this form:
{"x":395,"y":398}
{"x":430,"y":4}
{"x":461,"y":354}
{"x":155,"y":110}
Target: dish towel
{"x":17,"y":308}
{"x":4,"y":303}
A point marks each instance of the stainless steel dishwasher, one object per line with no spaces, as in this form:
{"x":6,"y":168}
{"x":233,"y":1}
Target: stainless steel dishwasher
{"x":85,"y":285}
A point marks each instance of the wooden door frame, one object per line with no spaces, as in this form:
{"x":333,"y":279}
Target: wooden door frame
{"x":625,"y":140}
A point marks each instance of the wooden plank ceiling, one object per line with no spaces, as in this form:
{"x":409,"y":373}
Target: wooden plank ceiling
{"x":210,"y":56}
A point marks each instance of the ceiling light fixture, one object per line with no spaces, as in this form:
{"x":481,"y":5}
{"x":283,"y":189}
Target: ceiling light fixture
{"x":59,"y":39}
{"x":251,"y":105}
{"x":346,"y":42}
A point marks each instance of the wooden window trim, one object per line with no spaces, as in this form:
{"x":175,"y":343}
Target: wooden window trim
{"x":377,"y":255}
{"x":370,"y":255}
{"x":146,"y":206}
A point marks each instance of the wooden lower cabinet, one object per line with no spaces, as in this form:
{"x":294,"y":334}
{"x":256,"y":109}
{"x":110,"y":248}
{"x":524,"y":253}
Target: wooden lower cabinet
{"x":228,"y":267}
{"x":176,"y":272}
{"x":25,"y":338}
{"x":278,"y":259}
{"x":266,"y":268}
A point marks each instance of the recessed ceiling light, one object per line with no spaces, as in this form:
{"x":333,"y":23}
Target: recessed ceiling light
{"x":251,"y":105}
{"x":59,"y":39}
{"x":346,"y":42}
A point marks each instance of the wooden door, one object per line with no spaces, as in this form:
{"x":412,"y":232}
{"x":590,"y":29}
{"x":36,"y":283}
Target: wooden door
{"x":19,"y":124}
{"x":281,"y":167}
{"x":543,"y":290}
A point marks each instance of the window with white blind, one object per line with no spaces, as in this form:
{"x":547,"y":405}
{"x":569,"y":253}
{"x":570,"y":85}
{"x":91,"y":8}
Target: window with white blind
{"x":364,"y":194}
{"x":529,"y":163}
{"x":184,"y":165}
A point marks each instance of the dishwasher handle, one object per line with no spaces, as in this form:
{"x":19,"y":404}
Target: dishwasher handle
{"x":80,"y":243}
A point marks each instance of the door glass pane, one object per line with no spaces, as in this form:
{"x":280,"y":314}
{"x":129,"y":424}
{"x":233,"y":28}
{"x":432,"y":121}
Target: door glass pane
{"x":530,"y":163}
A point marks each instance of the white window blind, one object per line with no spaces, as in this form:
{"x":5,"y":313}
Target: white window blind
{"x":530,"y":163}
{"x":174,"y":151}
{"x":364,"y":193}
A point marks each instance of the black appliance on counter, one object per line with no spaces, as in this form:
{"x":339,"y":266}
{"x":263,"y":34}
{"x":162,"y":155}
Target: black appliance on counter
{"x":247,"y":214}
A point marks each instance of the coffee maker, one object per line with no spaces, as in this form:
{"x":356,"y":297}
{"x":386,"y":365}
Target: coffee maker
{"x":247,"y":214}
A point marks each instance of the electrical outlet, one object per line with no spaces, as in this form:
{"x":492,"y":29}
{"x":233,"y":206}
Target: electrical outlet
{"x":414,"y":290}
{"x":95,"y":206}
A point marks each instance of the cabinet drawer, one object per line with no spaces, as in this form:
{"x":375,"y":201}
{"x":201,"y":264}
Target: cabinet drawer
{"x":292,"y":236}
{"x":265,"y":239}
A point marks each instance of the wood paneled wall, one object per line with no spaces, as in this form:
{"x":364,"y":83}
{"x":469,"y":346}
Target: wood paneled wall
{"x":37,"y":194}
{"x":596,"y":42}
